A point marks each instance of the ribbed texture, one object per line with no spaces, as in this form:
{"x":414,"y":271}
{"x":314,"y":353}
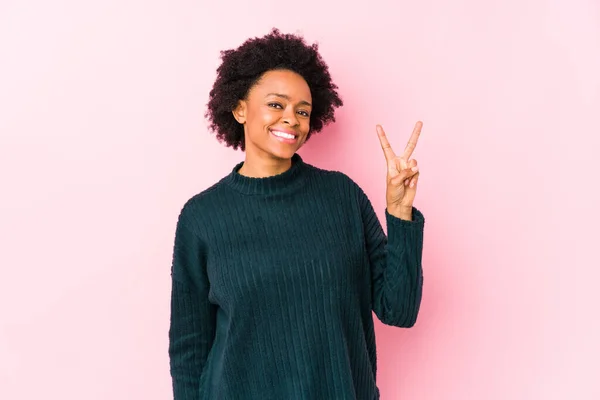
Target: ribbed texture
{"x":275,"y":281}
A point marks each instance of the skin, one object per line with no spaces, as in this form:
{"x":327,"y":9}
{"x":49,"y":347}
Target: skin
{"x":402,"y":174}
{"x":281,"y":100}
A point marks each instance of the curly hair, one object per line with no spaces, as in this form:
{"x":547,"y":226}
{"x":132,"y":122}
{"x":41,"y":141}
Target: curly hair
{"x":243,"y":67}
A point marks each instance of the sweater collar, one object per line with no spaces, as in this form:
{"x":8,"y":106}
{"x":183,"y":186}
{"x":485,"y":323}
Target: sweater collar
{"x":276,"y":184}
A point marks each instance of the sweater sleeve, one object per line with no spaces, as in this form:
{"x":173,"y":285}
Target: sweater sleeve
{"x":193,"y":317}
{"x":395,"y":264}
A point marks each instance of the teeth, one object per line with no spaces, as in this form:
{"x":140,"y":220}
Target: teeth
{"x":283,"y":135}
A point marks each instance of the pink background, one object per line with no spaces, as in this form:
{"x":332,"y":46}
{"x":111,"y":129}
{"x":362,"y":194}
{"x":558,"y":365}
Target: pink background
{"x":103,"y":139}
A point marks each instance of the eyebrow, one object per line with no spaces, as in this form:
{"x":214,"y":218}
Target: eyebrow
{"x":285,"y":96}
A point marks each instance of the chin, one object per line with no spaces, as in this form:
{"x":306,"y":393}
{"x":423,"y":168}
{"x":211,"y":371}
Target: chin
{"x":283,"y":154}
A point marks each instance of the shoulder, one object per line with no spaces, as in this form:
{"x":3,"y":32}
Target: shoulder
{"x":202,"y":203}
{"x":343,"y":184}
{"x":334,"y":179}
{"x":340,"y":186}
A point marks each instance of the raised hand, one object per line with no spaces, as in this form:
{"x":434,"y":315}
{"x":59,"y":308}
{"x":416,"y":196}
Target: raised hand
{"x":402,"y":174}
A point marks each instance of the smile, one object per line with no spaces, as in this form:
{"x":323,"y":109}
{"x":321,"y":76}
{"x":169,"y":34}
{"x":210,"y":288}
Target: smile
{"x":284,"y":136}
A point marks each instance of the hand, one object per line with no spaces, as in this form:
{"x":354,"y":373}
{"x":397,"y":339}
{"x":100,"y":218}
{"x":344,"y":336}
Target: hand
{"x":402,"y":174}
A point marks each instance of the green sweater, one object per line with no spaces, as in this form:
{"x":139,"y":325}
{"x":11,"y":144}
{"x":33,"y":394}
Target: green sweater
{"x":274,"y":281}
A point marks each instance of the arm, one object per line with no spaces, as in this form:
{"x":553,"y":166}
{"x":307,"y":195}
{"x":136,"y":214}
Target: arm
{"x":192,"y":322}
{"x":395,"y":263}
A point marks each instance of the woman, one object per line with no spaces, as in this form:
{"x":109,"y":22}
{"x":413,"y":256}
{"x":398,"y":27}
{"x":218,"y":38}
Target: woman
{"x":278,"y":266}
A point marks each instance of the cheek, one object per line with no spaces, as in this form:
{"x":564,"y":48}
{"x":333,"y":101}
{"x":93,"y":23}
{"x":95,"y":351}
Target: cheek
{"x":305,"y":124}
{"x":267,"y":117}
{"x":259,"y":117}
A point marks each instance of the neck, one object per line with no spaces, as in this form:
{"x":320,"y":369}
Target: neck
{"x":285,"y":182}
{"x":262,"y":167}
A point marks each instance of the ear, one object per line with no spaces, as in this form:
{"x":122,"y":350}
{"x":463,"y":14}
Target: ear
{"x":239,"y":112}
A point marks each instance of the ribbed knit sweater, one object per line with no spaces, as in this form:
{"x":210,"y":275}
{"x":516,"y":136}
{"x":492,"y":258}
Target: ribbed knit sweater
{"x":274,"y":285}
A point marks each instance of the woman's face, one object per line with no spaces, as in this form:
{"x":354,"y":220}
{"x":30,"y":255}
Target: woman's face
{"x":277,"y":106}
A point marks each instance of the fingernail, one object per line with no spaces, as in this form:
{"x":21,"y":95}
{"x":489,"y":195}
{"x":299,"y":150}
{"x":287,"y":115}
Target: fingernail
{"x":415,"y":169}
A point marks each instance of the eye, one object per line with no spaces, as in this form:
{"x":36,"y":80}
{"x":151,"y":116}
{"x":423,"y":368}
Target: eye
{"x":274,"y":105}
{"x":303,"y":113}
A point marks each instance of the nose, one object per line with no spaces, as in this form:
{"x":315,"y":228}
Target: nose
{"x":289,"y":116}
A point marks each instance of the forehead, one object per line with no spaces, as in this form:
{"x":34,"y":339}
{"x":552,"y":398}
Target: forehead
{"x":283,"y":82}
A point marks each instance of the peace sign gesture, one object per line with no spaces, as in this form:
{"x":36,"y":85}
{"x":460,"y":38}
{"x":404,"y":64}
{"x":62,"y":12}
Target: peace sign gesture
{"x":402,"y":174}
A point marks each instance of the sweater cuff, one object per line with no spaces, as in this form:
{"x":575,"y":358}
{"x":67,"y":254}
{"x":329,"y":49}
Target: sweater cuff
{"x":418,"y":220}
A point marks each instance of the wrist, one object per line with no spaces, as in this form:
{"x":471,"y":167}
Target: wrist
{"x":404,"y":213}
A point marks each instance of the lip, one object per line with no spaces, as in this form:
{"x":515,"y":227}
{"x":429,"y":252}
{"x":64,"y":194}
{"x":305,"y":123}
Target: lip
{"x":284,"y":140}
{"x":291,"y":132}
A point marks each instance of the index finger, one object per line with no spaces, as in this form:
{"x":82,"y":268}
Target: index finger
{"x":412,"y":142}
{"x":385,"y":145}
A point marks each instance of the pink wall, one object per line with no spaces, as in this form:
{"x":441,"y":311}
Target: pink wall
{"x":103,"y":138}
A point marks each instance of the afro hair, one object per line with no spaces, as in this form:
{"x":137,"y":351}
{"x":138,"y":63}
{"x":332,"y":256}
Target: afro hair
{"x":242,"y":68}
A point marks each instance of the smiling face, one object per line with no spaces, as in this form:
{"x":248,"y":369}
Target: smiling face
{"x":275,"y":115}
